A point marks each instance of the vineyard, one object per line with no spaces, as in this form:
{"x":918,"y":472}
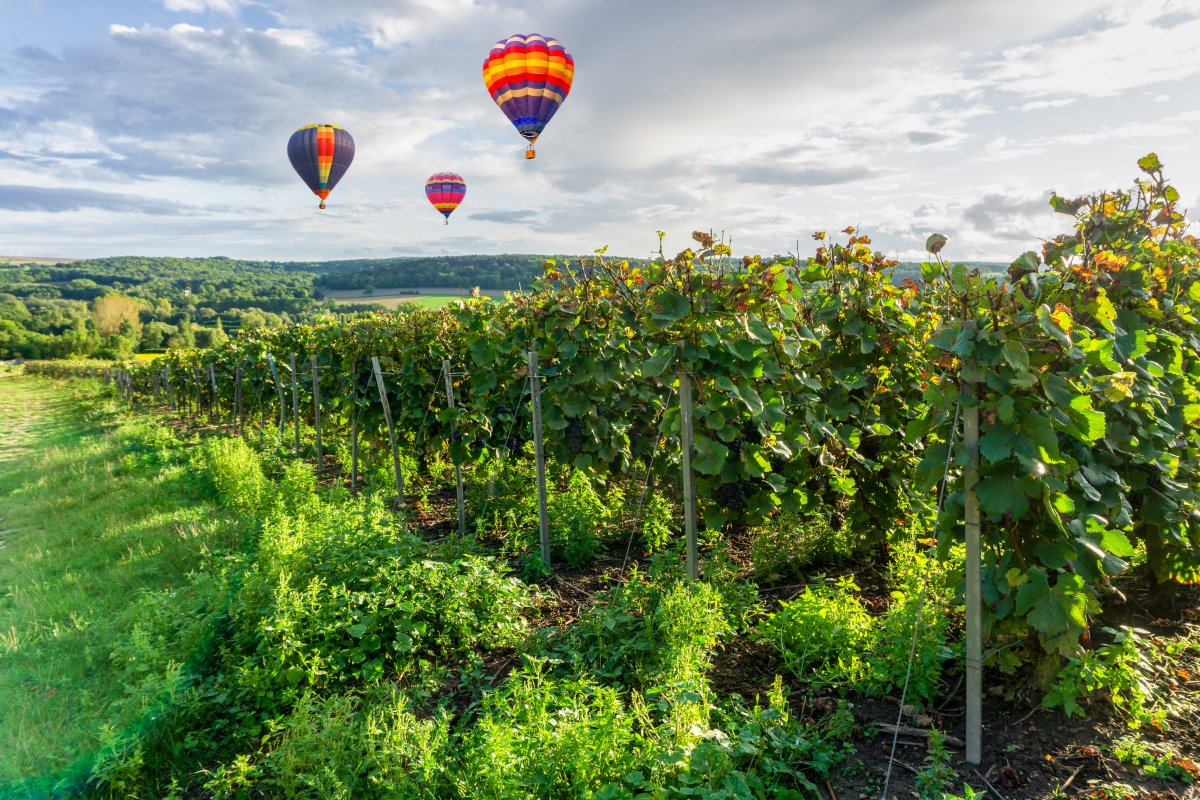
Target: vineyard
{"x":824,"y":405}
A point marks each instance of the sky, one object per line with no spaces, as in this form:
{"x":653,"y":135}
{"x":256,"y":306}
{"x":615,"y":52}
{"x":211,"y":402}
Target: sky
{"x":159,"y":127}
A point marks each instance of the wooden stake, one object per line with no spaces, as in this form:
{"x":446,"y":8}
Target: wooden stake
{"x":197,"y":398}
{"x":295,"y":403}
{"x":458,"y":480}
{"x":278,"y":390}
{"x":354,"y":450}
{"x":316,"y":381}
{"x":535,"y":394}
{"x":689,"y":493}
{"x":212,"y":378}
{"x":354,"y":425}
{"x":974,"y":558}
{"x":237,"y":399}
{"x":387,"y":415}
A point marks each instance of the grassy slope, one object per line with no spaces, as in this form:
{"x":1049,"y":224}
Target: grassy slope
{"x":97,"y":537}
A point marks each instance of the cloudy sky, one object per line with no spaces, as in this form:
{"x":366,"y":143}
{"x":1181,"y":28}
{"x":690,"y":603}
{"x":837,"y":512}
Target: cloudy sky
{"x":159,"y":127}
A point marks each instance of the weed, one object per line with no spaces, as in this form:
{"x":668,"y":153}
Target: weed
{"x":823,"y":634}
{"x":932,"y":781}
{"x":1155,"y":763}
{"x":1124,"y":670}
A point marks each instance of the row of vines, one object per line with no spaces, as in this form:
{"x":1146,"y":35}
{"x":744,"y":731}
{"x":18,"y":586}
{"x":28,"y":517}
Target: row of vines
{"x":820,"y":385}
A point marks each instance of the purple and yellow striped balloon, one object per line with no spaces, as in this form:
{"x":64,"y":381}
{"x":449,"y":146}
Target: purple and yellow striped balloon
{"x":445,"y":191}
{"x":321,"y":154}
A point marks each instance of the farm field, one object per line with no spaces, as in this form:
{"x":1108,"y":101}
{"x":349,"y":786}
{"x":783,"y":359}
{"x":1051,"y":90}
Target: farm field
{"x":428,"y":297}
{"x":24,"y":260}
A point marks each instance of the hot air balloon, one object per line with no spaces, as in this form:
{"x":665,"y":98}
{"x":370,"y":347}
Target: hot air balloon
{"x":529,"y":76}
{"x":321,"y":154}
{"x":445,"y":190}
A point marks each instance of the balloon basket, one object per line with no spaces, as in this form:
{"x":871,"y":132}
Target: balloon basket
{"x":530,"y":153}
{"x":322,"y":206}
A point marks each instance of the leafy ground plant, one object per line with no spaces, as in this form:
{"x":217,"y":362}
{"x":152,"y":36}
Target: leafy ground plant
{"x":823,"y":634}
{"x":1127,"y":672}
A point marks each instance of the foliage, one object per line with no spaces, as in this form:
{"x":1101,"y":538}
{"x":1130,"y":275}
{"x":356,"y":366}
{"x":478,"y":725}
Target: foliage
{"x":823,"y":634}
{"x":236,"y":474}
{"x":644,"y":634}
{"x":539,"y":737}
{"x":1153,"y":762}
{"x":759,"y":753}
{"x":338,"y":598}
{"x":933,"y":781}
{"x":791,"y":540}
{"x":1129,"y":671}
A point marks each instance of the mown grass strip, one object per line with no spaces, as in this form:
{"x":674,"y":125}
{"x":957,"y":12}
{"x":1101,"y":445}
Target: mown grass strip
{"x":104,"y":536}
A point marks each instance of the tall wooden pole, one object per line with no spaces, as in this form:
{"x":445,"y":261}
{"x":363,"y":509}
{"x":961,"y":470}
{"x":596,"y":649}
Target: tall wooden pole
{"x":458,"y":480}
{"x":237,"y":399}
{"x":295,"y":402}
{"x":974,"y":559}
{"x":316,"y":384}
{"x":212,"y":379}
{"x":387,"y":415}
{"x":535,"y":394}
{"x":278,"y":391}
{"x":689,"y":492}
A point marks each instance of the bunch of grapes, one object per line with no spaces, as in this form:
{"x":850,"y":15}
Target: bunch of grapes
{"x":574,"y":436}
{"x":734,"y":496}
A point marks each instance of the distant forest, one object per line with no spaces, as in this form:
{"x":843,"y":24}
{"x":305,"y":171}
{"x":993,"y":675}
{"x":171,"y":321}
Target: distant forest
{"x":457,"y":272}
{"x":114,"y":307}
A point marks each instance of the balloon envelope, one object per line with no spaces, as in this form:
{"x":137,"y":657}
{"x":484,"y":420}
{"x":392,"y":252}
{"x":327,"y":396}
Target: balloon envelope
{"x":321,"y":154}
{"x":529,"y":76}
{"x":445,"y":191}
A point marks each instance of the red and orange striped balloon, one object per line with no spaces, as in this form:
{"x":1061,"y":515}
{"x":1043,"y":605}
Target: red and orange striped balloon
{"x":445,"y":191}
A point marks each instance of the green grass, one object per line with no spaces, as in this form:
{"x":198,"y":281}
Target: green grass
{"x":101,"y":528}
{"x":414,"y":300}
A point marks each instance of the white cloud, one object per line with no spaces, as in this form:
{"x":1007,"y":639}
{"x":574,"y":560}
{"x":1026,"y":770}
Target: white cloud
{"x":1102,"y":63}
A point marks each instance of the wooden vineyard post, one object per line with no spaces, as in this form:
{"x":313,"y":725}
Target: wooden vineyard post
{"x":262,"y":414}
{"x":212,"y":379}
{"x":535,"y":395}
{"x":169,"y":392}
{"x":237,"y":399}
{"x":295,"y":403}
{"x":278,"y":390}
{"x":458,"y":480}
{"x":316,"y":381}
{"x":974,"y":557}
{"x":354,"y":450}
{"x":689,"y":492}
{"x":197,"y":397}
{"x":387,"y":416}
{"x":354,"y":425}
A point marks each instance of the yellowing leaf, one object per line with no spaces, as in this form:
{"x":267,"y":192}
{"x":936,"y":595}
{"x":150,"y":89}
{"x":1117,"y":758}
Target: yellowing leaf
{"x":1062,"y":317}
